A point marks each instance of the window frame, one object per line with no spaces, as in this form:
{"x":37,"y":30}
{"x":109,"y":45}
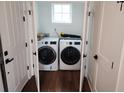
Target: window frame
{"x":52,"y":13}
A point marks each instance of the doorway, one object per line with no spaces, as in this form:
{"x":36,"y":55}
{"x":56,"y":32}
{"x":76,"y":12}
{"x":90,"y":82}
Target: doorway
{"x":64,"y":78}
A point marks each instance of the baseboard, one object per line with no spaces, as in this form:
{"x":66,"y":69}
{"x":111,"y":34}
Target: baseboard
{"x":21,"y":85}
{"x":90,"y":85}
{"x":91,"y":88}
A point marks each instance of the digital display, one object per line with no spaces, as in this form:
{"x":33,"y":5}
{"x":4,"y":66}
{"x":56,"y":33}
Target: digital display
{"x":53,"y":42}
{"x":77,"y":43}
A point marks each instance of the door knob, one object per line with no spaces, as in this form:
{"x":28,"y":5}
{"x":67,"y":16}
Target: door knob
{"x":84,"y":55}
{"x":8,"y":60}
{"x":95,"y":56}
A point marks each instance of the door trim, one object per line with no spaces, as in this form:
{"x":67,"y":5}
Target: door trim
{"x":4,"y":79}
{"x":36,"y":45}
{"x":83,"y":41}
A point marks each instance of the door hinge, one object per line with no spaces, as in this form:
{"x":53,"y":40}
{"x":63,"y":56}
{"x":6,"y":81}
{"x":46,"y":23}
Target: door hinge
{"x":27,"y":67}
{"x":112,"y":66}
{"x":23,"y":18}
{"x":89,"y":13}
{"x":33,"y":65}
{"x":26,"y":45}
{"x":31,"y":40}
{"x":86,"y":42}
{"x":85,"y":67}
{"x":121,"y":4}
{"x":29,"y":12}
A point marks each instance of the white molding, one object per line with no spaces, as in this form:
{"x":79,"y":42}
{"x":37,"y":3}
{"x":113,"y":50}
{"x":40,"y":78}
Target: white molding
{"x":91,"y":88}
{"x":120,"y":68}
{"x":36,"y":45}
{"x":83,"y":41}
{"x":21,"y":85}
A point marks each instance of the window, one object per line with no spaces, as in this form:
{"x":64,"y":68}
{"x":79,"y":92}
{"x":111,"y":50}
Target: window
{"x":61,"y":13}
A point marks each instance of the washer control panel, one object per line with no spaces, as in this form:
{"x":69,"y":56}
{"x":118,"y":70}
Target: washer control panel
{"x":49,"y":42}
{"x":70,"y":42}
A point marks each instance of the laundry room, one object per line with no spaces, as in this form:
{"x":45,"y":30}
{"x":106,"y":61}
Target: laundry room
{"x":59,"y":33}
{"x":61,"y":46}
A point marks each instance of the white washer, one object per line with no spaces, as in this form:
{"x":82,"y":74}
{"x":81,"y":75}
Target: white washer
{"x":70,"y":53}
{"x":48,"y":54}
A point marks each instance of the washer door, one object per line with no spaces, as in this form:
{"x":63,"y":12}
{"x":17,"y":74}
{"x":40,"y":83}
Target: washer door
{"x":47,"y":55}
{"x":70,"y":55}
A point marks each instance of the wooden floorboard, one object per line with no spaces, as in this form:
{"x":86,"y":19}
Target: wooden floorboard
{"x":30,"y":86}
{"x":86,"y":87}
{"x":58,"y":81}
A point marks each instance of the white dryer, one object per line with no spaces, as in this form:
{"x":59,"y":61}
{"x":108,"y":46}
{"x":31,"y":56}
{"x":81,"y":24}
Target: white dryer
{"x":48,"y":54}
{"x":70,"y":53}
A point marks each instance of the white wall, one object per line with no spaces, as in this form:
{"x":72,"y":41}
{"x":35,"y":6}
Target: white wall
{"x":45,"y":22}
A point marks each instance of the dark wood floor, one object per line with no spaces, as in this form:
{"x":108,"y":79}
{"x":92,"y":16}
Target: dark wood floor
{"x":30,"y":86}
{"x":58,"y":81}
{"x":86,"y":87}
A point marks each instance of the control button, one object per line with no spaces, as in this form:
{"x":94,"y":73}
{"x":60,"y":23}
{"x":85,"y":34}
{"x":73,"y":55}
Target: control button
{"x":46,"y":42}
{"x":70,"y":43}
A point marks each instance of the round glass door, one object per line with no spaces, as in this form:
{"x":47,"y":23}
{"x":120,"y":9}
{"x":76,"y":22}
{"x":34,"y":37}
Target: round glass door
{"x":47,"y":55}
{"x":70,"y":55}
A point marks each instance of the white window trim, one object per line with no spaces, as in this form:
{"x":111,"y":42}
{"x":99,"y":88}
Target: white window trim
{"x":52,"y":14}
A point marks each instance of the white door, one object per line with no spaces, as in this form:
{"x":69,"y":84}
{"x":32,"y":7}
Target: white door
{"x":5,"y":45}
{"x":109,"y":46}
{"x":24,"y":63}
{"x":93,"y":30}
{"x":13,"y":44}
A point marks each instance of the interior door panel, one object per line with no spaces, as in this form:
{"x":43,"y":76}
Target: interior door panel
{"x":13,"y":41}
{"x":108,"y":46}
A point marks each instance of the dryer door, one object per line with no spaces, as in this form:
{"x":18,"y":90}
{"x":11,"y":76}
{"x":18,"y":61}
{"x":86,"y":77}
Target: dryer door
{"x":47,"y":55}
{"x":70,"y":55}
